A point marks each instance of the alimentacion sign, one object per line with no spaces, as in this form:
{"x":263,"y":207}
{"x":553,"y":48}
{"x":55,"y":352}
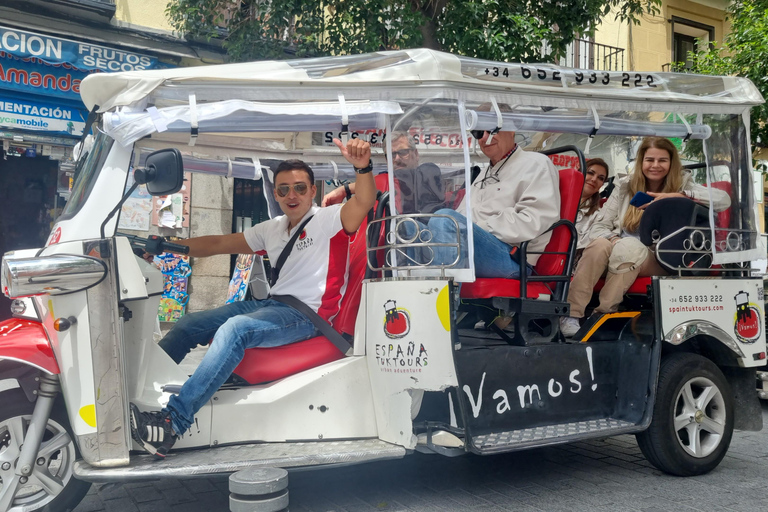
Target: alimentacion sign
{"x":40,"y":78}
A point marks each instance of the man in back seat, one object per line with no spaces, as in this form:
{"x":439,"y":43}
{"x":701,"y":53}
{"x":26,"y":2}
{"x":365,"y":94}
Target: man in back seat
{"x":419,"y":186}
{"x":516,"y":199}
{"x":314,"y":272}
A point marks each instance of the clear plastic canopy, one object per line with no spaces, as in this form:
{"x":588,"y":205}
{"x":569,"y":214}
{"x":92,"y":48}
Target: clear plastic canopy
{"x":297,"y":107}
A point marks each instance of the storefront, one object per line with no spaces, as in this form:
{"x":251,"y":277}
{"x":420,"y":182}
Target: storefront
{"x":41,"y":119}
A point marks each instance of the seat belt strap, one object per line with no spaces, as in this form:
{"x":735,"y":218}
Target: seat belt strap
{"x":319,"y":322}
{"x":275,"y":270}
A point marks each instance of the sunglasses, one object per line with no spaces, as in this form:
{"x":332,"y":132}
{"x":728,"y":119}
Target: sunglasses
{"x":299,"y":188}
{"x":478,"y":134}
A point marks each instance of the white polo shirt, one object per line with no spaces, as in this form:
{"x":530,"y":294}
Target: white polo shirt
{"x":315,"y":271}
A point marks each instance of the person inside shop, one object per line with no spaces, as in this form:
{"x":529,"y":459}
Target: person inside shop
{"x":616,"y":251}
{"x":313,"y":272}
{"x":516,"y":199}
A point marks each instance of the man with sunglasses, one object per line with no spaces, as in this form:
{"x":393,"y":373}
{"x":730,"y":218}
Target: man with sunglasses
{"x":514,"y":200}
{"x":314,"y":272}
{"x":419,"y":186}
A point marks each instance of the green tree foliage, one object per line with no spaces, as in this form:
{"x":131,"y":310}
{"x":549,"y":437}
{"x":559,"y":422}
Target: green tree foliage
{"x":743,"y":53}
{"x":505,"y":30}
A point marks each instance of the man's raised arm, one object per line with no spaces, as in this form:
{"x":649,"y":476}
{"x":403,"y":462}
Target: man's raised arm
{"x":358,"y":153}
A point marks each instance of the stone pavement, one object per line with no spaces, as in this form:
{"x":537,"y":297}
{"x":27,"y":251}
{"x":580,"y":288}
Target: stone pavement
{"x":608,"y":475}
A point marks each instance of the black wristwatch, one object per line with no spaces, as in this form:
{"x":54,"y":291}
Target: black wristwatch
{"x":347,"y":190}
{"x":365,"y":170}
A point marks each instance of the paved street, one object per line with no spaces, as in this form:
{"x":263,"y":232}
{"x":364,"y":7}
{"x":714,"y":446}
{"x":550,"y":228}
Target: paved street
{"x":608,"y":475}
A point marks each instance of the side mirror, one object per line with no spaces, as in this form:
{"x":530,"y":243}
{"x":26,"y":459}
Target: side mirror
{"x":163,"y":172}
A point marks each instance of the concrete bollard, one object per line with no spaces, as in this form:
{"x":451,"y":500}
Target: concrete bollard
{"x":259,"y":490}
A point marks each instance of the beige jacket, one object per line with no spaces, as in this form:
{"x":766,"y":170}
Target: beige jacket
{"x":523,"y":204}
{"x":611,"y":215}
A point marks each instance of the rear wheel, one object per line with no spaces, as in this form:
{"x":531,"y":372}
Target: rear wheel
{"x":692,"y":421}
{"x":51,"y":486}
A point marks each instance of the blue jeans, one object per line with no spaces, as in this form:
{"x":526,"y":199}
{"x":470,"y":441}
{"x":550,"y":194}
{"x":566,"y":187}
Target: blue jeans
{"x":492,"y":258}
{"x":234,"y":328}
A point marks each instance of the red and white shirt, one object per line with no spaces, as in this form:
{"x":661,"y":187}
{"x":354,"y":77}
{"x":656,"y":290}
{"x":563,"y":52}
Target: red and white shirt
{"x":315,"y":271}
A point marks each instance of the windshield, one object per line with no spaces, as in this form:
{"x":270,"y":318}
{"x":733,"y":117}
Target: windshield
{"x":88,"y":167}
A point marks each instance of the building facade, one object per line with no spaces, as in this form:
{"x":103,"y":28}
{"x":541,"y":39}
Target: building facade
{"x":46,"y":48}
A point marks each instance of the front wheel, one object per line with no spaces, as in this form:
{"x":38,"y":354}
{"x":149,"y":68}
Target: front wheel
{"x":51,"y":486}
{"x":692,"y":421}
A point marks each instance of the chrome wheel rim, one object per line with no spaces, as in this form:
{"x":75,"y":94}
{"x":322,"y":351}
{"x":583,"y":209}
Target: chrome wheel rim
{"x":699,"y":417}
{"x":53,"y":466}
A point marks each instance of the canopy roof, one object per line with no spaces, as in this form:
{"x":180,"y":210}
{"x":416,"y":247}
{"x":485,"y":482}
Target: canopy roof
{"x":420,"y":73}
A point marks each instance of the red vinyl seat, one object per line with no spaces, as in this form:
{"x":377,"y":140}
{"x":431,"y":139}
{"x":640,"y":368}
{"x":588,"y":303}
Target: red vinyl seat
{"x":268,"y":364}
{"x":571,"y":184}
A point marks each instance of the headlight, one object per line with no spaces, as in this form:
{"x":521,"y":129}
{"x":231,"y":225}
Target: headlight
{"x":52,"y":275}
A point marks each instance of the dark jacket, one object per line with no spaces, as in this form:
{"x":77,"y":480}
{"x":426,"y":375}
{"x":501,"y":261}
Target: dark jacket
{"x":420,"y":190}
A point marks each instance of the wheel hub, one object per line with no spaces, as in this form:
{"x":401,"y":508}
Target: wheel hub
{"x":699,"y":417}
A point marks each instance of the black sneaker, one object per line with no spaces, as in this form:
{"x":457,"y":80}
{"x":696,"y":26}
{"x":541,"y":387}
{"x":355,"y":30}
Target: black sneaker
{"x":153,"y":431}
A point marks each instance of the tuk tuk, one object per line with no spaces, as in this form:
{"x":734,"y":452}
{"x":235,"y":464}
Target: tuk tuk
{"x":676,"y":365}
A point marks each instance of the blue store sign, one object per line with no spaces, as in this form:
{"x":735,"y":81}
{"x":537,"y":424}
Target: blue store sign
{"x":84,"y":56}
{"x":31,"y":75}
{"x":41,"y":116}
{"x":45,"y":71}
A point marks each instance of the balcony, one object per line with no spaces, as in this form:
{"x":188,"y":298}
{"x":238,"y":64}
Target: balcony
{"x":585,"y":54}
{"x":100,"y":11}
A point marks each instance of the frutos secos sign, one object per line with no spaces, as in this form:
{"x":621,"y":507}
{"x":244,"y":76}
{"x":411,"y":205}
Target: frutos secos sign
{"x":84,"y":56}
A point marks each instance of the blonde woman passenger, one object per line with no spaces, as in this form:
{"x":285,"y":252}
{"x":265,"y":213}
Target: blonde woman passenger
{"x":615,"y":250}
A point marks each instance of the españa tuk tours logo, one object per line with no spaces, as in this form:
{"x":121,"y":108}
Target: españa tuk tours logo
{"x":397,"y":321}
{"x":747,"y":321}
{"x":304,"y":241}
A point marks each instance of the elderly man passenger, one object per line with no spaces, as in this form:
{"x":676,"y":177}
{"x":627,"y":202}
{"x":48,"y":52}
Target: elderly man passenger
{"x":514,"y":200}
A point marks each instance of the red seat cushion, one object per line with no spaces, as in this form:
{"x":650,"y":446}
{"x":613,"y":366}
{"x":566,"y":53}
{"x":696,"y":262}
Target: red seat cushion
{"x":722,"y":219}
{"x":499,"y":287}
{"x":571,"y":183}
{"x":640,"y":286}
{"x":268,"y":364}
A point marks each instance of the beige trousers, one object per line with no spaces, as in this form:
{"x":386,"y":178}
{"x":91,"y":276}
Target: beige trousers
{"x":592,"y":266}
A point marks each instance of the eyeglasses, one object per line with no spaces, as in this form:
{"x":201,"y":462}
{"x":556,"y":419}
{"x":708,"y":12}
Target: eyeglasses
{"x":299,"y":188}
{"x":478,"y":134}
{"x":402,"y":153}
{"x":489,"y":178}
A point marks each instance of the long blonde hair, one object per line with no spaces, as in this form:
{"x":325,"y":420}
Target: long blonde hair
{"x":673,"y":181}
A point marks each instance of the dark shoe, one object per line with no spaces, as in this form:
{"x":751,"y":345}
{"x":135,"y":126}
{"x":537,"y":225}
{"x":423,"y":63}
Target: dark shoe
{"x":153,"y":431}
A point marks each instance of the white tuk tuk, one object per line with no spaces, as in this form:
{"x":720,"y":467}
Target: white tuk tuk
{"x":675,"y":366}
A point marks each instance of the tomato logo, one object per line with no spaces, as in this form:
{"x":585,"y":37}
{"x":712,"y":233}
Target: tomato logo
{"x":55,"y":236}
{"x":303,"y":234}
{"x":397,"y":321}
{"x":747,"y":322}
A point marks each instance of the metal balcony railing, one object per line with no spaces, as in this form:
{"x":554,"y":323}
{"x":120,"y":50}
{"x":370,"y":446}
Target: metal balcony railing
{"x":585,"y":54}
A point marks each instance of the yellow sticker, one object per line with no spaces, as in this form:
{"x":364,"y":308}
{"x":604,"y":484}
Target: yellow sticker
{"x":442,"y":304}
{"x":88,"y":413}
{"x":50,"y":308}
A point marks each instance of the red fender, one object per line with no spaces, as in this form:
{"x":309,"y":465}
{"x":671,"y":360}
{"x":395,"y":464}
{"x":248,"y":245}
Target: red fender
{"x":26,"y":341}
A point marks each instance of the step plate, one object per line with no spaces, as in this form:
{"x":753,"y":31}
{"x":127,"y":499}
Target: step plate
{"x":229,"y":459}
{"x":550,"y":434}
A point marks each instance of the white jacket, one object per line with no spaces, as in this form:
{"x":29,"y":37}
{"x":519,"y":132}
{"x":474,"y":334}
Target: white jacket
{"x":584,"y":223}
{"x":611,"y":215}
{"x":523,"y":204}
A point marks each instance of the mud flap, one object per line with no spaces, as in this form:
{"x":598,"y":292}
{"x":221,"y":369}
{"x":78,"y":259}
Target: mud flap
{"x":747,"y":411}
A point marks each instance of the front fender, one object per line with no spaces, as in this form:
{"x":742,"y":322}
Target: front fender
{"x":26,"y":341}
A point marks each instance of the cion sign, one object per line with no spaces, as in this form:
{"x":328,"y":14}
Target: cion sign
{"x":84,"y":56}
